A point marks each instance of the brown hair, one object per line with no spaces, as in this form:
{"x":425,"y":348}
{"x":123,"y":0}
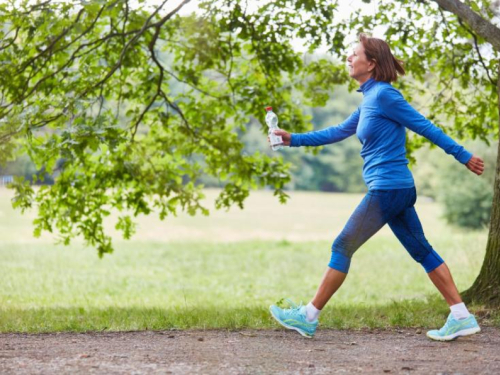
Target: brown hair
{"x":387,"y":66}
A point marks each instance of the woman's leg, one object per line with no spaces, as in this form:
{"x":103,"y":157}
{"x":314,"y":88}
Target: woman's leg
{"x":408,"y":229}
{"x":442,"y":279}
{"x":332,"y":280}
{"x":374,"y":211}
{"x":460,"y":322}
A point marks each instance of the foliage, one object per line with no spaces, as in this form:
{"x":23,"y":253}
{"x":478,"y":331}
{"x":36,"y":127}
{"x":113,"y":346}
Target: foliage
{"x":466,"y":198}
{"x":467,"y":201}
{"x":68,"y":67}
{"x":440,"y":51}
{"x":335,"y":168}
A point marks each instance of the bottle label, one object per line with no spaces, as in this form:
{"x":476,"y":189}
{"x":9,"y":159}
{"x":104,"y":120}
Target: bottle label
{"x":275,"y":139}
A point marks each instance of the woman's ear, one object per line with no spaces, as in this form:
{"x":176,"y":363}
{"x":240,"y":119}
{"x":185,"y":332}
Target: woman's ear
{"x":373,"y":62}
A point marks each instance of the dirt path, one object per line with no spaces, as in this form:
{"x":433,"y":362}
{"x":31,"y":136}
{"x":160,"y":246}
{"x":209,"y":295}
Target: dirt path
{"x":249,"y":352}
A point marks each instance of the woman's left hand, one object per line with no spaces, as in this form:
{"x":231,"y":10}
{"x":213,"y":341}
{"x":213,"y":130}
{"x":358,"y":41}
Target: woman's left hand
{"x":476,"y":165}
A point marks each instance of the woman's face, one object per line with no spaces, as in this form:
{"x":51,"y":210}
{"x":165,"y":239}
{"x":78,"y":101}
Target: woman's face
{"x":359,"y":67}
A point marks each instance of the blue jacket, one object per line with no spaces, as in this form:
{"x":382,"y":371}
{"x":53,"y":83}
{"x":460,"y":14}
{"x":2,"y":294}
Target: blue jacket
{"x":379,"y":122}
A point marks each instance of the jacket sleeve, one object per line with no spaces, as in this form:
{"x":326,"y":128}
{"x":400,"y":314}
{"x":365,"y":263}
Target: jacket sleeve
{"x":396,"y":108}
{"x":329,"y":135}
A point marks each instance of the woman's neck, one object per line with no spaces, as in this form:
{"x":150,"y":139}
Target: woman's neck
{"x":363,"y":79}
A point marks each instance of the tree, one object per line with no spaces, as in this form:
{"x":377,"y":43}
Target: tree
{"x":96,"y":85}
{"x":68,"y":68}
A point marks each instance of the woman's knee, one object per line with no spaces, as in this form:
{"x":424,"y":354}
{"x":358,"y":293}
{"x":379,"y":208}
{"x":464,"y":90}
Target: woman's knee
{"x":426,"y":256}
{"x":431,"y":261}
{"x":339,"y":261}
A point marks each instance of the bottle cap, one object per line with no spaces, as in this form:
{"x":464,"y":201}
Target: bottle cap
{"x":269,"y":109}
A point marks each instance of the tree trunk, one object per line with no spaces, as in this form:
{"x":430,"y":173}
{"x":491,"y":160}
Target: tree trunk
{"x":486,"y":288}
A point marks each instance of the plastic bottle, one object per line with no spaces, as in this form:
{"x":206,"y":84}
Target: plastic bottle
{"x":272,"y":123}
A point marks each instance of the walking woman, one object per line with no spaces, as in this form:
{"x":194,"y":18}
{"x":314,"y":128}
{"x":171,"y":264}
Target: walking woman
{"x":380,"y":123}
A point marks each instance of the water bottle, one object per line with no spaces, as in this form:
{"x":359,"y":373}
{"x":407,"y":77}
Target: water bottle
{"x":272,"y":123}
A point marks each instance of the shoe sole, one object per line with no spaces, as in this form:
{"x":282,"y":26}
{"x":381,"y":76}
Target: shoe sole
{"x":464,"y":332}
{"x":288,"y":326}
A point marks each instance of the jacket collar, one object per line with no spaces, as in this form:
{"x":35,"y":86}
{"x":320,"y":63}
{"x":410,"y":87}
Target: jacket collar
{"x":367,"y":85}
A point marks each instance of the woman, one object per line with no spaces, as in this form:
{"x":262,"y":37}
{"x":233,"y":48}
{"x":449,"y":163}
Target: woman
{"x":380,"y":123}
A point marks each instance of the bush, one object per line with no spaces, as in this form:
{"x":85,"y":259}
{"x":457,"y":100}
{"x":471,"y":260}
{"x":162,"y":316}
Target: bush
{"x":467,"y":198}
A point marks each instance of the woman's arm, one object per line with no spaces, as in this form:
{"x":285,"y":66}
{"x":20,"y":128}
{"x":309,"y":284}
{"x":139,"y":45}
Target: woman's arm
{"x":396,"y":108}
{"x":329,"y":135}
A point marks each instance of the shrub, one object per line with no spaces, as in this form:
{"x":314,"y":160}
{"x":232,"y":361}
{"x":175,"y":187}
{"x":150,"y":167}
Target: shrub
{"x":466,"y":197}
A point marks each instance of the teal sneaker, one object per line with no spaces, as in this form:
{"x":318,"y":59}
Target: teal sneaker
{"x":454,"y":328}
{"x":294,"y":318}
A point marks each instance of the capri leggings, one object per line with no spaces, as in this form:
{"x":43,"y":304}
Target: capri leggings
{"x":379,"y":207}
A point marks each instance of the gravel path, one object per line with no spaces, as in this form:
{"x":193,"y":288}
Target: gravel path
{"x":249,"y":352}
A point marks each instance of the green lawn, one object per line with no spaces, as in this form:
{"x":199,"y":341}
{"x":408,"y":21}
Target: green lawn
{"x":223,"y":271}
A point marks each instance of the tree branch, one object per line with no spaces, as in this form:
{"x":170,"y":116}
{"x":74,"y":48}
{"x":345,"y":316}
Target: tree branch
{"x":481,"y":26}
{"x":12,"y":41}
{"x":144,"y":28}
{"x":88,"y":28}
{"x":160,"y":81}
{"x":478,"y":52}
{"x":53,"y":43}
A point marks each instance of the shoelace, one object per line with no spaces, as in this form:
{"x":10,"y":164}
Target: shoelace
{"x":294,"y":310}
{"x":446,"y":326}
{"x":292,"y":304}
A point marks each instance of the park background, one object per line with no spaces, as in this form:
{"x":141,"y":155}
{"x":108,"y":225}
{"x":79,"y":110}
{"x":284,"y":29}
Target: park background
{"x":224,"y":270}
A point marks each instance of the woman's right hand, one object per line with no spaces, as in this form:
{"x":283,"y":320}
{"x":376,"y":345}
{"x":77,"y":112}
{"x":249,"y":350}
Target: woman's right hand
{"x":284,"y":135}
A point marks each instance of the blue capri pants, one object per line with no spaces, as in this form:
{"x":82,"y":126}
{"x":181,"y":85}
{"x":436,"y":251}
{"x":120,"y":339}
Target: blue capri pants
{"x":379,"y":207}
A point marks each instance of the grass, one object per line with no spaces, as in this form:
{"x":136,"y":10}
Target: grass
{"x":225,"y":270}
